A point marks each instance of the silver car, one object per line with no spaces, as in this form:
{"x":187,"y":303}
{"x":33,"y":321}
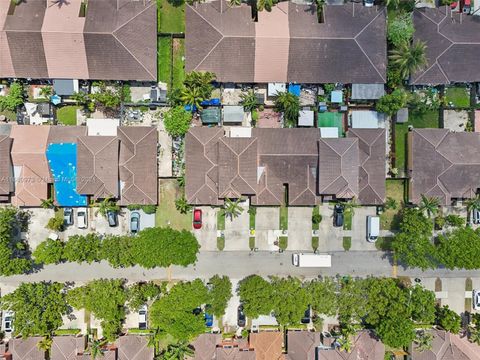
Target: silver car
{"x":476,"y":299}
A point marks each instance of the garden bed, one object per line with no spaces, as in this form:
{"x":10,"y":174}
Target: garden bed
{"x":395,"y":189}
{"x":167,"y":214}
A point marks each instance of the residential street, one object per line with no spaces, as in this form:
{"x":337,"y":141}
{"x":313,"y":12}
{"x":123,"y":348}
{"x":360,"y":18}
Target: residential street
{"x":237,"y":265}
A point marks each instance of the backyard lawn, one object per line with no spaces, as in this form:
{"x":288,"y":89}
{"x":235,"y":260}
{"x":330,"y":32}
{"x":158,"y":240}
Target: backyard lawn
{"x":459,"y":96}
{"x":67,"y":115}
{"x":10,"y":115}
{"x":429,"y":119}
{"x":167,"y":214}
{"x":164,"y":59}
{"x":178,"y":63}
{"x":395,"y":190}
{"x":171,"y":17}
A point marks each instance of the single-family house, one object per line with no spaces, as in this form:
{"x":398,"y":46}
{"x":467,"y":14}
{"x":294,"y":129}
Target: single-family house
{"x":205,"y":346}
{"x":268,"y":345}
{"x":26,"y":348}
{"x":365,"y":346}
{"x":68,"y":347}
{"x":302,"y":345}
{"x":134,"y":347}
{"x":287,"y":44}
{"x":106,"y":40}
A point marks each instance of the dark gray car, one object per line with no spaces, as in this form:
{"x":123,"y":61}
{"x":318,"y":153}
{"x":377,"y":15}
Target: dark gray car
{"x":134,"y":222}
{"x":68,"y":216}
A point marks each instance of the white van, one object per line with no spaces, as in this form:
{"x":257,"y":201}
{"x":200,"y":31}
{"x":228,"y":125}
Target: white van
{"x":373,"y":228}
{"x":82,"y":222}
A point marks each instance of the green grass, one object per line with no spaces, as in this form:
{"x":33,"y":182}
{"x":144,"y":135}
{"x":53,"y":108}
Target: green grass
{"x":178,"y":63}
{"x":315,"y":242}
{"x":315,"y":210}
{"x":384,"y":243}
{"x":458,"y":95}
{"x":283,"y":218}
{"x":164,"y":59}
{"x":171,"y":17}
{"x":60,"y":332}
{"x":67,"y":115}
{"x":251,"y":242}
{"x":220,"y":219}
{"x":251,"y":215}
{"x":347,"y":243}
{"x":428,"y":120}
{"x":347,"y":220}
{"x":139,"y":331}
{"x":10,"y":115}
{"x":220,"y":243}
{"x":167,"y":214}
{"x":283,"y":242}
{"x":395,"y":189}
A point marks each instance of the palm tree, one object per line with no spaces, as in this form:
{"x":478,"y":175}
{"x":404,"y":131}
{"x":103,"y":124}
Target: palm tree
{"x":107,"y":204}
{"x":96,"y":348}
{"x":349,"y":206}
{"x":181,"y":181}
{"x":473,"y":204}
{"x":430,"y":205}
{"x":249,"y":100}
{"x":345,"y":343}
{"x":45,"y":344}
{"x":232,"y":208}
{"x":264,"y":5}
{"x":391,"y":203}
{"x":423,"y":341}
{"x":48,"y":203}
{"x":392,"y":4}
{"x":234,"y":3}
{"x":192,"y":96}
{"x":289,"y":105}
{"x":182,"y":205}
{"x":202,"y":80}
{"x":46,"y":92}
{"x":178,"y":351}
{"x":409,"y":58}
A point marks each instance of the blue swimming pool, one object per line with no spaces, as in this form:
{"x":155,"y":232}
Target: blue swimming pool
{"x":62,"y":159}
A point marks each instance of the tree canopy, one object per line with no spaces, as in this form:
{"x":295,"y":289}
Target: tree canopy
{"x":391,"y":103}
{"x":13,"y":99}
{"x":38,"y":308}
{"x":177,"y":121}
{"x":256,"y":294}
{"x":220,"y":293}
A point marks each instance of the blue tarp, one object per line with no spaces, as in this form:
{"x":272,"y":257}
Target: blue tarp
{"x":55,"y":99}
{"x":294,"y":89}
{"x":211,"y":102}
{"x":62,"y":159}
{"x":190,"y":108}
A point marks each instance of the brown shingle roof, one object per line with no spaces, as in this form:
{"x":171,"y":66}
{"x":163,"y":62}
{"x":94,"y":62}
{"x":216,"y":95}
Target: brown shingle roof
{"x":205,"y":345}
{"x":233,"y":353}
{"x":447,"y":346}
{"x":26,"y":349}
{"x":97,"y":166}
{"x":131,"y":347}
{"x":138,"y":164}
{"x":443,"y":164}
{"x":6,"y":169}
{"x":372,"y":171}
{"x":301,"y":345}
{"x":117,"y":40}
{"x":350,"y":47}
{"x":447,"y":34}
{"x":67,"y":347}
{"x":268,"y":345}
{"x":365,"y":346}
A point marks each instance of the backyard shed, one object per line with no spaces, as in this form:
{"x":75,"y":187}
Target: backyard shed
{"x":367,"y":91}
{"x":65,"y":87}
{"x":402,"y":115}
{"x":210,"y":116}
{"x":233,"y":114}
{"x":275,"y":88}
{"x":329,"y":132}
{"x":363,"y":119}
{"x":336,"y":96}
{"x":305,"y":118}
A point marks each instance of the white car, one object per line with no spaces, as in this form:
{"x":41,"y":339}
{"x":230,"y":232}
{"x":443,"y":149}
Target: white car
{"x":7,"y":321}
{"x":476,"y":299}
{"x":142,"y":318}
{"x":82,"y":218}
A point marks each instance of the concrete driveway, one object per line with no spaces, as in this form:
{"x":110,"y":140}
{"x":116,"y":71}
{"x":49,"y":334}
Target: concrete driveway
{"x":230,"y":317}
{"x":207,"y":235}
{"x":237,"y":230}
{"x":359,"y":229}
{"x":266,"y":221}
{"x":300,"y":228}
{"x":37,"y":232}
{"x":330,"y":238}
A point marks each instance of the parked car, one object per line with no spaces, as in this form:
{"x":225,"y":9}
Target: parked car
{"x":112,"y":218}
{"x":368,"y":3}
{"x":476,"y":299}
{"x":7,"y":324}
{"x":338,"y":215}
{"x":475,"y":216}
{"x":134,"y":222}
{"x":68,"y":216}
{"x":454,"y":5}
{"x":197,"y":219}
{"x":307,"y":316}
{"x":373,"y":228}
{"x":82,"y":218}
{"x":241,"y":319}
{"x":467,"y":7}
{"x":208,"y":318}
{"x":142,"y":317}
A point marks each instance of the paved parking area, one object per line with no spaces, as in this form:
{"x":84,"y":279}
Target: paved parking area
{"x":237,"y":231}
{"x":330,"y":238}
{"x":359,"y":229}
{"x":300,"y":228}
{"x":37,"y":232}
{"x":207,"y":235}
{"x":75,"y":320}
{"x":266,"y":220}
{"x":165,"y":152}
{"x":230,"y":317}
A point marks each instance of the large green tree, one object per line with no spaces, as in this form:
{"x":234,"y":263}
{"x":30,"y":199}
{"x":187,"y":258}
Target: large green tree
{"x":459,"y":248}
{"x":290,"y":300}
{"x":140,"y":293}
{"x":409,"y":58}
{"x":106,"y":300}
{"x":256,"y":294}
{"x":49,"y":252}
{"x":82,"y":248}
{"x":117,"y":250}
{"x":13,"y":99}
{"x":288,"y":104}
{"x":38,"y":308}
{"x":390,"y":103}
{"x":322,"y":296}
{"x":400,"y":29}
{"x":163,"y":247}
{"x":448,"y":319}
{"x":177,"y":121}
{"x":220,"y":293}
{"x":396,"y":332}
{"x":422,"y":305}
{"x":173,"y":312}
{"x":352,"y":301}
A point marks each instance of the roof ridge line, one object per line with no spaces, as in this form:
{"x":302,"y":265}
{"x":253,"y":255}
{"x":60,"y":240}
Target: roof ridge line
{"x":130,"y":20}
{"x":136,"y":59}
{"x":369,"y":60}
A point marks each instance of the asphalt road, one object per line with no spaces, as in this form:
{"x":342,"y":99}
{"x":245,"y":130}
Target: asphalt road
{"x":237,"y":265}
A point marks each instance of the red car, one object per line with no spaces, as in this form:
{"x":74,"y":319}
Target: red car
{"x":197,"y":219}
